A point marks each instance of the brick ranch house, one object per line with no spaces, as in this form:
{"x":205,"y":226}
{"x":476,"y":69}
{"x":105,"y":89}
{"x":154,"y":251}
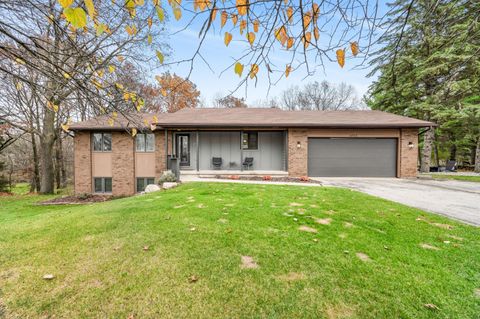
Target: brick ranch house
{"x":257,"y":141}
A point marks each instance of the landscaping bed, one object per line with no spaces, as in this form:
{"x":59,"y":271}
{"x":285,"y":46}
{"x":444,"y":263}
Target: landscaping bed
{"x":77,"y":199}
{"x":279,"y":179}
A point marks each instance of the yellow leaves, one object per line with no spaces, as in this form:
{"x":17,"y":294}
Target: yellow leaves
{"x":213,"y":14}
{"x":20,"y":61}
{"x":177,"y":13}
{"x":139,"y":2}
{"x":290,"y":42}
{"x":100,"y":29}
{"x":52,"y":106}
{"x":163,"y":92}
{"x":234,"y":19}
{"x":341,"y":57}
{"x":126,"y":96}
{"x":149,"y":39}
{"x":130,"y":6}
{"x":76,"y":16}
{"x":160,"y":13}
{"x":242,"y":7}
{"x":111,"y":121}
{"x":111,"y":68}
{"x":66,"y":75}
{"x":149,"y":22}
{"x":134,"y":132}
{"x":223,"y":18}
{"x":90,"y":8}
{"x":256,"y":24}
{"x":160,"y":56}
{"x":100,"y":72}
{"x":238,"y":69}
{"x":316,"y":11}
{"x":120,"y":58}
{"x":290,"y":14}
{"x":65,"y":3}
{"x":119,"y":86}
{"x":201,"y":4}
{"x":154,"y":119}
{"x":354,"y":48}
{"x":65,"y":127}
{"x":243,"y":26}
{"x":288,"y":69}
{"x":316,"y":33}
{"x":114,"y":115}
{"x":307,"y":18}
{"x":281,"y":35}
{"x":251,"y":37}
{"x":228,"y":37}
{"x":307,"y":38}
{"x":253,"y":71}
{"x":131,"y":30}
{"x":19,"y":86}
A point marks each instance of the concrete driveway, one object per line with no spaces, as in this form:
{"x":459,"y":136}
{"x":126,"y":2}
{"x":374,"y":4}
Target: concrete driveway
{"x":455,"y":199}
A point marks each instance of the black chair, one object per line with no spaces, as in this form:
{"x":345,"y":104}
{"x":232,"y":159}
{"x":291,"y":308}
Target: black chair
{"x":247,"y":163}
{"x":217,"y":162}
{"x":451,"y":166}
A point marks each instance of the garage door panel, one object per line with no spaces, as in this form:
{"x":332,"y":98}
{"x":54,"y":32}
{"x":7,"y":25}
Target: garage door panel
{"x":352,"y":157}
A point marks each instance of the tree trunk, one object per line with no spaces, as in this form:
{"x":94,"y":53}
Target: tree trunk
{"x":453,"y":152}
{"x":477,"y":157}
{"x":36,"y":176}
{"x":435,"y":150}
{"x":61,"y":174}
{"x":47,"y":141}
{"x":426,"y":151}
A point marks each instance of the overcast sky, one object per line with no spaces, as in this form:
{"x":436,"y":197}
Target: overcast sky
{"x":212,"y":82}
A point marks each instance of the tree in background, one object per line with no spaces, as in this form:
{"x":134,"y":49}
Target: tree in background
{"x":177,"y":93}
{"x":229,"y":102}
{"x":321,"y":96}
{"x":426,"y":68}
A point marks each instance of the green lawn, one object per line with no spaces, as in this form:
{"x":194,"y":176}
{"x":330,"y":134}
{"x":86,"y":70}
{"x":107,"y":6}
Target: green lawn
{"x":457,"y":177}
{"x":101,"y":269}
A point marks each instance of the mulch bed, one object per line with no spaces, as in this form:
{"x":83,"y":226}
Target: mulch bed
{"x":282,"y":179}
{"x":82,"y":199}
{"x":5,"y":194}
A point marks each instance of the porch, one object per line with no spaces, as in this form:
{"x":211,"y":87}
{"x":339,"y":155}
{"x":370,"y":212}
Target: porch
{"x":232,"y":152}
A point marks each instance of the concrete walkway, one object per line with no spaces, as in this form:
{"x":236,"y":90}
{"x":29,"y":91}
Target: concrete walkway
{"x":455,"y":199}
{"x":192,"y":178}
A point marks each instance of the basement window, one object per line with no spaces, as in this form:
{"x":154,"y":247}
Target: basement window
{"x":250,"y":140}
{"x":102,"y":142}
{"x":145,"y":142}
{"x":142,"y":182}
{"x":102,"y":184}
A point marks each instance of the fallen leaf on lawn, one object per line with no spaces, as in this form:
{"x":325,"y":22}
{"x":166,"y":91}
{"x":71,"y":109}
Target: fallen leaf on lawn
{"x":455,"y":237}
{"x":347,"y":224}
{"x":193,"y":279}
{"x":314,"y":206}
{"x":287,"y":214}
{"x":427,"y":246}
{"x":48,"y":276}
{"x":292,"y":276}
{"x":476,"y":292}
{"x":346,"y":252}
{"x":179,"y":206}
{"x":307,"y":229}
{"x":386,"y":248}
{"x":146,"y":248}
{"x":444,"y":226}
{"x":315,"y":240}
{"x":342,"y":236}
{"x":362,"y":256}
{"x":323,"y":221}
{"x":446,"y":242}
{"x":201,"y":206}
{"x":296,"y":204}
{"x":131,"y":316}
{"x":229,"y":205}
{"x":223,"y":221}
{"x":295,"y":219}
{"x":431,"y":306}
{"x":248,"y":263}
{"x":192,"y":229}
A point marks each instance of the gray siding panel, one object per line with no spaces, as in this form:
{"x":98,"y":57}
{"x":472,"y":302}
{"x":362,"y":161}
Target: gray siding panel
{"x":352,"y":157}
{"x":269,"y":156}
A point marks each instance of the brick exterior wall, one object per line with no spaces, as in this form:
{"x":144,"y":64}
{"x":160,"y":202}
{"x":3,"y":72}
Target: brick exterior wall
{"x":82,"y":163}
{"x":408,"y":156}
{"x":297,"y":156}
{"x":123,"y":164}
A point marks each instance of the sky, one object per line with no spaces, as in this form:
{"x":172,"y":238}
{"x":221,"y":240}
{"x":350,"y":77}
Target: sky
{"x":218,"y":77}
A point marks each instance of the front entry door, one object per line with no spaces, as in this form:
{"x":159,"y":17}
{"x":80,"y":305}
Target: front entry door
{"x":183,"y":149}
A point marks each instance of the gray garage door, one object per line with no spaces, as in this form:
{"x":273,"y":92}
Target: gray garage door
{"x":352,"y":157}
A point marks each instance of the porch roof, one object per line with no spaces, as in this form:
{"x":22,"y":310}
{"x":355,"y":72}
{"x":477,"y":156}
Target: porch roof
{"x":270,"y":117}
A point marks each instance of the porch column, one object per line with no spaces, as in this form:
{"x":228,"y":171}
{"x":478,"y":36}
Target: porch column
{"x":198,"y":152}
{"x":241,"y":150}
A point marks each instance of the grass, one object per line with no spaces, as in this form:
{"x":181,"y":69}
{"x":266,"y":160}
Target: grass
{"x":457,"y":177}
{"x":101,"y":269}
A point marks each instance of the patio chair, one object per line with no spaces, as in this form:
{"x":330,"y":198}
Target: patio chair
{"x":248,"y":163}
{"x":451,"y":166}
{"x":217,"y":162}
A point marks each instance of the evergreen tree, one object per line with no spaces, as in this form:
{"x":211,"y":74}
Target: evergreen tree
{"x":424,"y":67}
